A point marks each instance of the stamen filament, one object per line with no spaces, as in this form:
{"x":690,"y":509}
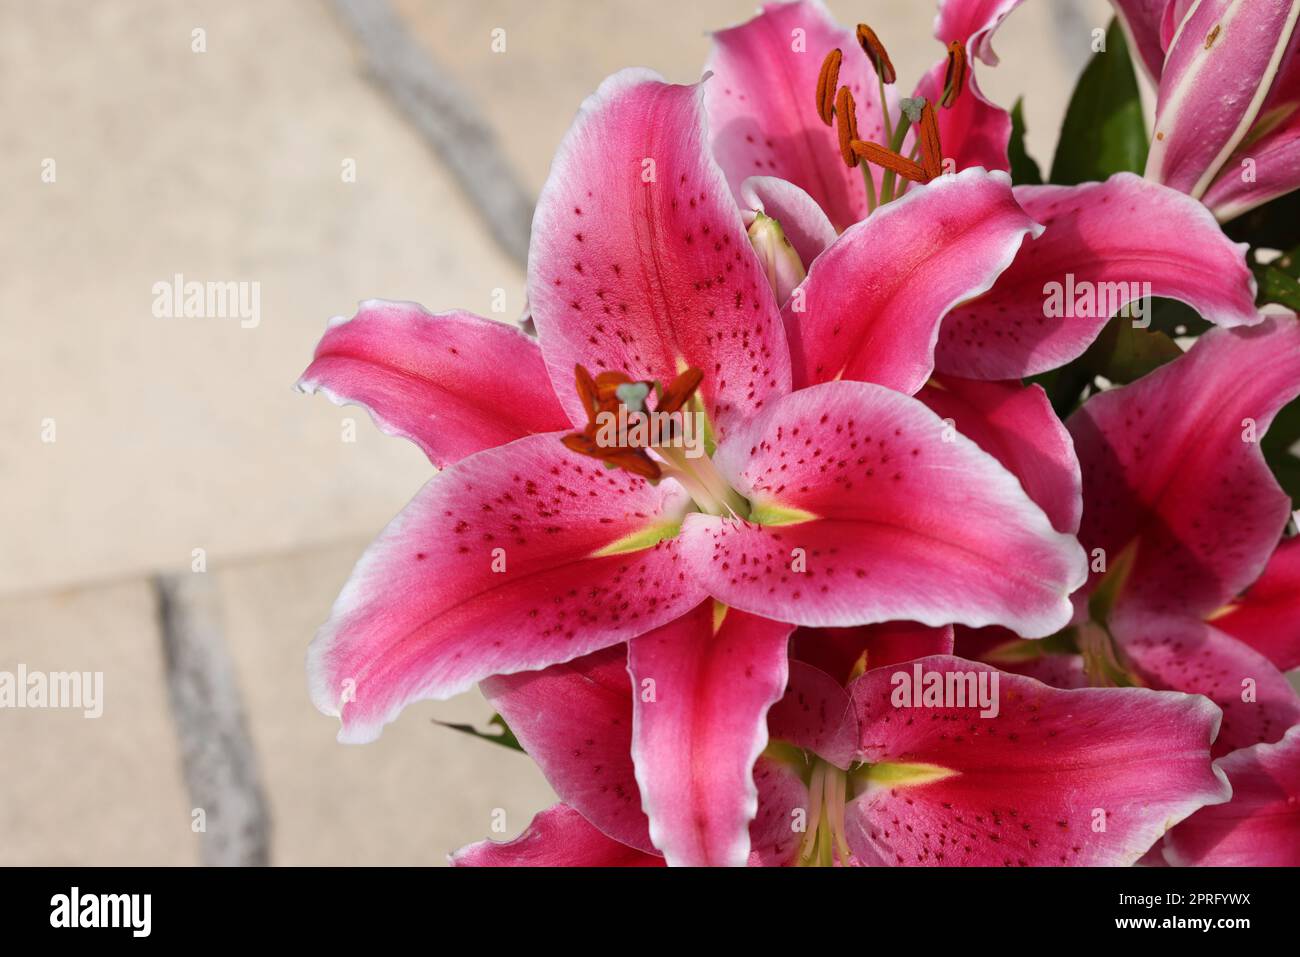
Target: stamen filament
{"x":895,"y":144}
{"x":870,"y":179}
{"x":706,"y":486}
{"x":813,"y":824}
{"x":884,"y":109}
{"x":825,"y":842}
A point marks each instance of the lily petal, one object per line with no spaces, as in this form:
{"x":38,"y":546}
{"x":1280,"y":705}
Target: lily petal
{"x":1260,"y":826}
{"x":1274,"y":171}
{"x":452,"y":383}
{"x":841,"y":652}
{"x":1267,"y":616}
{"x":1016,"y":425}
{"x":639,"y":261}
{"x":699,"y":724}
{"x":1175,"y":12}
{"x":1089,"y":777}
{"x":1172,"y":467}
{"x":1008,"y":651}
{"x":973,"y":22}
{"x":872,"y":303}
{"x":856,"y":485}
{"x":575,"y":720}
{"x":762,"y":110}
{"x":1182,"y":654}
{"x":1216,"y":75}
{"x":1267,"y":162}
{"x":973,"y":131}
{"x":512,"y":559}
{"x":772,"y":834}
{"x":816,"y":715}
{"x":557,"y":837}
{"x":1116,"y":241}
{"x":1142,"y":21}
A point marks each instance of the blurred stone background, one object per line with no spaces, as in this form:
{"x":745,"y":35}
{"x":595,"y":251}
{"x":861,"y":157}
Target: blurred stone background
{"x":179,"y":434}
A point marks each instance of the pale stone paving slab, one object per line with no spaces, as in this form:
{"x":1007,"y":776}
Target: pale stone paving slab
{"x":227,"y":165}
{"x":92,"y":791}
{"x":416,"y":794}
{"x":557,"y":52}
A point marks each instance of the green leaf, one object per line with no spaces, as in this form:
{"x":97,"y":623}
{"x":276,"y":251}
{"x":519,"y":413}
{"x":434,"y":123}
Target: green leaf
{"x":1024,"y":168}
{"x":1289,"y":262}
{"x":1104,"y":131}
{"x":1275,"y":285}
{"x":1279,"y":280}
{"x":1284,"y":431}
{"x":1281,"y":437}
{"x":1286,"y":469}
{"x":1272,"y":225}
{"x":1123,"y":352}
{"x":1175,"y":318}
{"x":506,"y":738}
{"x":1065,"y":386}
{"x":1135,"y":352}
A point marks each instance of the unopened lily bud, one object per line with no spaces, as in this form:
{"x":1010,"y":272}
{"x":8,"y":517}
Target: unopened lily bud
{"x":780,"y":262}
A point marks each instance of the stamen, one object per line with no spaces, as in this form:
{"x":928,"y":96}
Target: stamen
{"x":827,"y":82}
{"x":931,"y":151}
{"x":890,"y":160}
{"x":954,"y":76}
{"x":607,"y":384}
{"x":614,"y":391}
{"x":586,"y":392}
{"x":680,"y":390}
{"x":629,"y":460}
{"x":846,"y":125}
{"x":876,"y":53}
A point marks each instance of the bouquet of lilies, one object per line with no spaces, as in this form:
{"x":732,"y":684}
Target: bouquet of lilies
{"x":851,"y":495}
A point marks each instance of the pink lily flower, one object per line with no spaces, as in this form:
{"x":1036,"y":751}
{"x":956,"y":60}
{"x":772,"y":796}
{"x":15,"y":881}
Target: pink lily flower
{"x":839,"y":502}
{"x":1190,"y":589}
{"x":1132,"y":237}
{"x":1260,"y":826}
{"x":1227,"y":126}
{"x":763,"y":124}
{"x":856,"y":774}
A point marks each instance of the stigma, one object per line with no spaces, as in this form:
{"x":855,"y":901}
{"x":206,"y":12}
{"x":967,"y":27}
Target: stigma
{"x":621,"y":430}
{"x":663,"y":438}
